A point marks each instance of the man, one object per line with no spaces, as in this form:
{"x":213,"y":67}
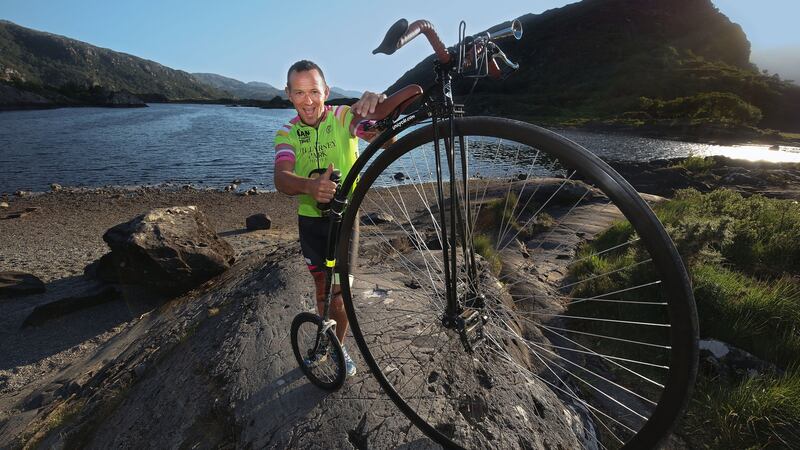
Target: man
{"x":319,"y":140}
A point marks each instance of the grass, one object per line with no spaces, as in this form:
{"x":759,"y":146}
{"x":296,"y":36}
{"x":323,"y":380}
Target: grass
{"x":485,"y":247}
{"x":761,"y":317}
{"x":697,"y":164}
{"x":754,"y":413}
{"x":743,"y":255}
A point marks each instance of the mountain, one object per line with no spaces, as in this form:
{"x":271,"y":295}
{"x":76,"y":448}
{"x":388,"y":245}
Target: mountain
{"x":254,"y":90}
{"x":635,"y":62}
{"x":346,"y":93}
{"x":50,"y":65}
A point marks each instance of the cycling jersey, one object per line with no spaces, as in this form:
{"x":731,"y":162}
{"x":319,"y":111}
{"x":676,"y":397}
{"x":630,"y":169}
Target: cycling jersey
{"x":311,"y":149}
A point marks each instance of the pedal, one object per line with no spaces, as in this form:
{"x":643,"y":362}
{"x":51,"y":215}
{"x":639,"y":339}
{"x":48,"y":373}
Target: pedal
{"x":471,"y":331}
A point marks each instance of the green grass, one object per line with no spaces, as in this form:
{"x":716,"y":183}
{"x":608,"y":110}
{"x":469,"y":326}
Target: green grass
{"x":761,"y":317}
{"x":485,"y":247}
{"x":743,"y":256}
{"x":697,"y":164}
{"x":754,"y":413}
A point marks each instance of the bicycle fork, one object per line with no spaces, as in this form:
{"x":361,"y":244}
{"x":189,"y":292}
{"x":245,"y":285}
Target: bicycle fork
{"x":463,"y":315}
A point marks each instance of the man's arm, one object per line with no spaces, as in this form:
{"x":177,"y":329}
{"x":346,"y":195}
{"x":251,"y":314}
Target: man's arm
{"x":364,"y":106}
{"x":320,"y":188}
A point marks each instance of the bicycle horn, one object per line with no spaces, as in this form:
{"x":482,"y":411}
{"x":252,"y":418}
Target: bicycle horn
{"x":514,"y":30}
{"x":392,"y":39}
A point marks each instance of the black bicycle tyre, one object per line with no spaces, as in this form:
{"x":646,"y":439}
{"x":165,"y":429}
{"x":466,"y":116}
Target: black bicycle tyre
{"x":683,"y":316}
{"x":333,"y":344}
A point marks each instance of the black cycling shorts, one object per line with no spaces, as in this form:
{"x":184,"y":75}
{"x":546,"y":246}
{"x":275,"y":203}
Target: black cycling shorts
{"x":314,"y":241}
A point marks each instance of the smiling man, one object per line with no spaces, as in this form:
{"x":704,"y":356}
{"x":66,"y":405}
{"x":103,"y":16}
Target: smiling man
{"x":319,"y":140}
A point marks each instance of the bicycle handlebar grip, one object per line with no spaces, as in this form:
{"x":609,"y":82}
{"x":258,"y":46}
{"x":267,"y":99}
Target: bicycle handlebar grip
{"x":425,"y":27}
{"x":401,"y":33}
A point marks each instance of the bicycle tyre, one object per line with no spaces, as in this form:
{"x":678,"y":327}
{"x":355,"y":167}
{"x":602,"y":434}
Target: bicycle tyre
{"x":372,"y":326}
{"x":327,"y":374}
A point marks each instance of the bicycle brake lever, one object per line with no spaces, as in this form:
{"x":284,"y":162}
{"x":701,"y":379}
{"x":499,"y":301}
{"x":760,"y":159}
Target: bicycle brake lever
{"x":498,"y":54}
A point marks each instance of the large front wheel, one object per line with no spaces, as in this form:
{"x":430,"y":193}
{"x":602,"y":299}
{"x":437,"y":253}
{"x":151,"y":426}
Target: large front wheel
{"x":581,"y":328}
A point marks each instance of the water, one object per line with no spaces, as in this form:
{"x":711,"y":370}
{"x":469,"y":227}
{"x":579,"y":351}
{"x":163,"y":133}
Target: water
{"x":211,"y":145}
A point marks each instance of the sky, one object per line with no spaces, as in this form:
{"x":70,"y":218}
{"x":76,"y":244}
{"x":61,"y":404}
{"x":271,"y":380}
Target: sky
{"x":258,"y":40}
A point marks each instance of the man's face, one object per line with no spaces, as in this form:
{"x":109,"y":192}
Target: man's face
{"x":307,"y":92}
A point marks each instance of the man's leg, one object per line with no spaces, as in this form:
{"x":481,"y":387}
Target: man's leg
{"x":337,"y":311}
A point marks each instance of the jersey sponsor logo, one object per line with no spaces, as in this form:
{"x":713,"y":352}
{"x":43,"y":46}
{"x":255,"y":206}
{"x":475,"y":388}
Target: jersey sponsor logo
{"x":304,"y":136}
{"x":328,"y":129}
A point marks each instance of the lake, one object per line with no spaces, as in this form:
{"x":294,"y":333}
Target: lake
{"x":211,"y":145}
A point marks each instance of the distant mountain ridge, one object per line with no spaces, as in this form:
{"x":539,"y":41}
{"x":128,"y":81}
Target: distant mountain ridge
{"x":38,"y":59}
{"x":257,"y":90}
{"x":632,"y":61}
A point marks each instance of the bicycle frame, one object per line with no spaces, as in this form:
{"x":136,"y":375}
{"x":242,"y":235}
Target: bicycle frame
{"x":459,"y":218}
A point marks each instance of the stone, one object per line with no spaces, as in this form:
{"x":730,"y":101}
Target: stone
{"x":21,"y":193}
{"x":252,"y":191}
{"x":3,"y":205}
{"x":400,"y":176}
{"x":172,"y":249}
{"x":258,"y":221}
{"x":376,"y":219}
{"x":55,"y":187}
{"x":68,"y":305}
{"x":15,"y":284}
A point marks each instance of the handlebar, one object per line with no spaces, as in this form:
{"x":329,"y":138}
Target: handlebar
{"x":401,"y":33}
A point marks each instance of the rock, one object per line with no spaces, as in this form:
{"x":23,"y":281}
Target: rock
{"x":252,"y":191}
{"x":14,"y":284}
{"x":172,"y":249}
{"x":376,"y":219}
{"x":68,"y":305}
{"x":3,"y":205}
{"x":259,"y":221}
{"x":728,"y":361}
{"x":231,"y":187}
{"x":400,"y":176}
{"x":743,"y":178}
{"x":139,"y":370}
{"x":21,"y":193}
{"x":55,"y":187}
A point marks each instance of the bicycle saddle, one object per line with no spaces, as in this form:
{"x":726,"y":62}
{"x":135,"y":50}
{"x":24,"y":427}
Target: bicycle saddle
{"x":396,"y":103}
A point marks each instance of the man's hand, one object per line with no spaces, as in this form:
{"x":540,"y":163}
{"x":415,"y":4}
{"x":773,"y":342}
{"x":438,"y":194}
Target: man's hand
{"x":366,"y":105}
{"x":322,"y":188}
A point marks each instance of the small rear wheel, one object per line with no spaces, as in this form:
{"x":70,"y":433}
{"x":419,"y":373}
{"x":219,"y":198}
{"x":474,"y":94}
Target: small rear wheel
{"x":319,"y":355}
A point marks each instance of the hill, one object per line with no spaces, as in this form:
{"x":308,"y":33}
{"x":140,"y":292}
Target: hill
{"x":256,"y":90}
{"x":253,"y":90}
{"x":63,"y":69}
{"x":651,"y":62}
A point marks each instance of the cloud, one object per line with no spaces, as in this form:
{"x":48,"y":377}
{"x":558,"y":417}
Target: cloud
{"x":785,"y":61}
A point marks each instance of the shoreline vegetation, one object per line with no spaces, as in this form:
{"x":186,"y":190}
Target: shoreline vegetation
{"x":679,"y":129}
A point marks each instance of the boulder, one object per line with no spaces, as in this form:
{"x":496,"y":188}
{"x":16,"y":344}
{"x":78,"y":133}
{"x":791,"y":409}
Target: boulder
{"x":376,"y":219}
{"x":172,"y":249}
{"x":14,"y":284}
{"x":259,"y":221}
{"x":727,"y":361}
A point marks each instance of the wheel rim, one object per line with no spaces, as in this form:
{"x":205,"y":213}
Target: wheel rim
{"x":326,"y":374}
{"x":574,"y":340}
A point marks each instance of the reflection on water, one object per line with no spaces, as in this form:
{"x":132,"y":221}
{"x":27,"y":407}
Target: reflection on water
{"x":211,"y":145}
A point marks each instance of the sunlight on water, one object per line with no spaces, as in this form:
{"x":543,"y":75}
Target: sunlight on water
{"x":755,"y":153}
